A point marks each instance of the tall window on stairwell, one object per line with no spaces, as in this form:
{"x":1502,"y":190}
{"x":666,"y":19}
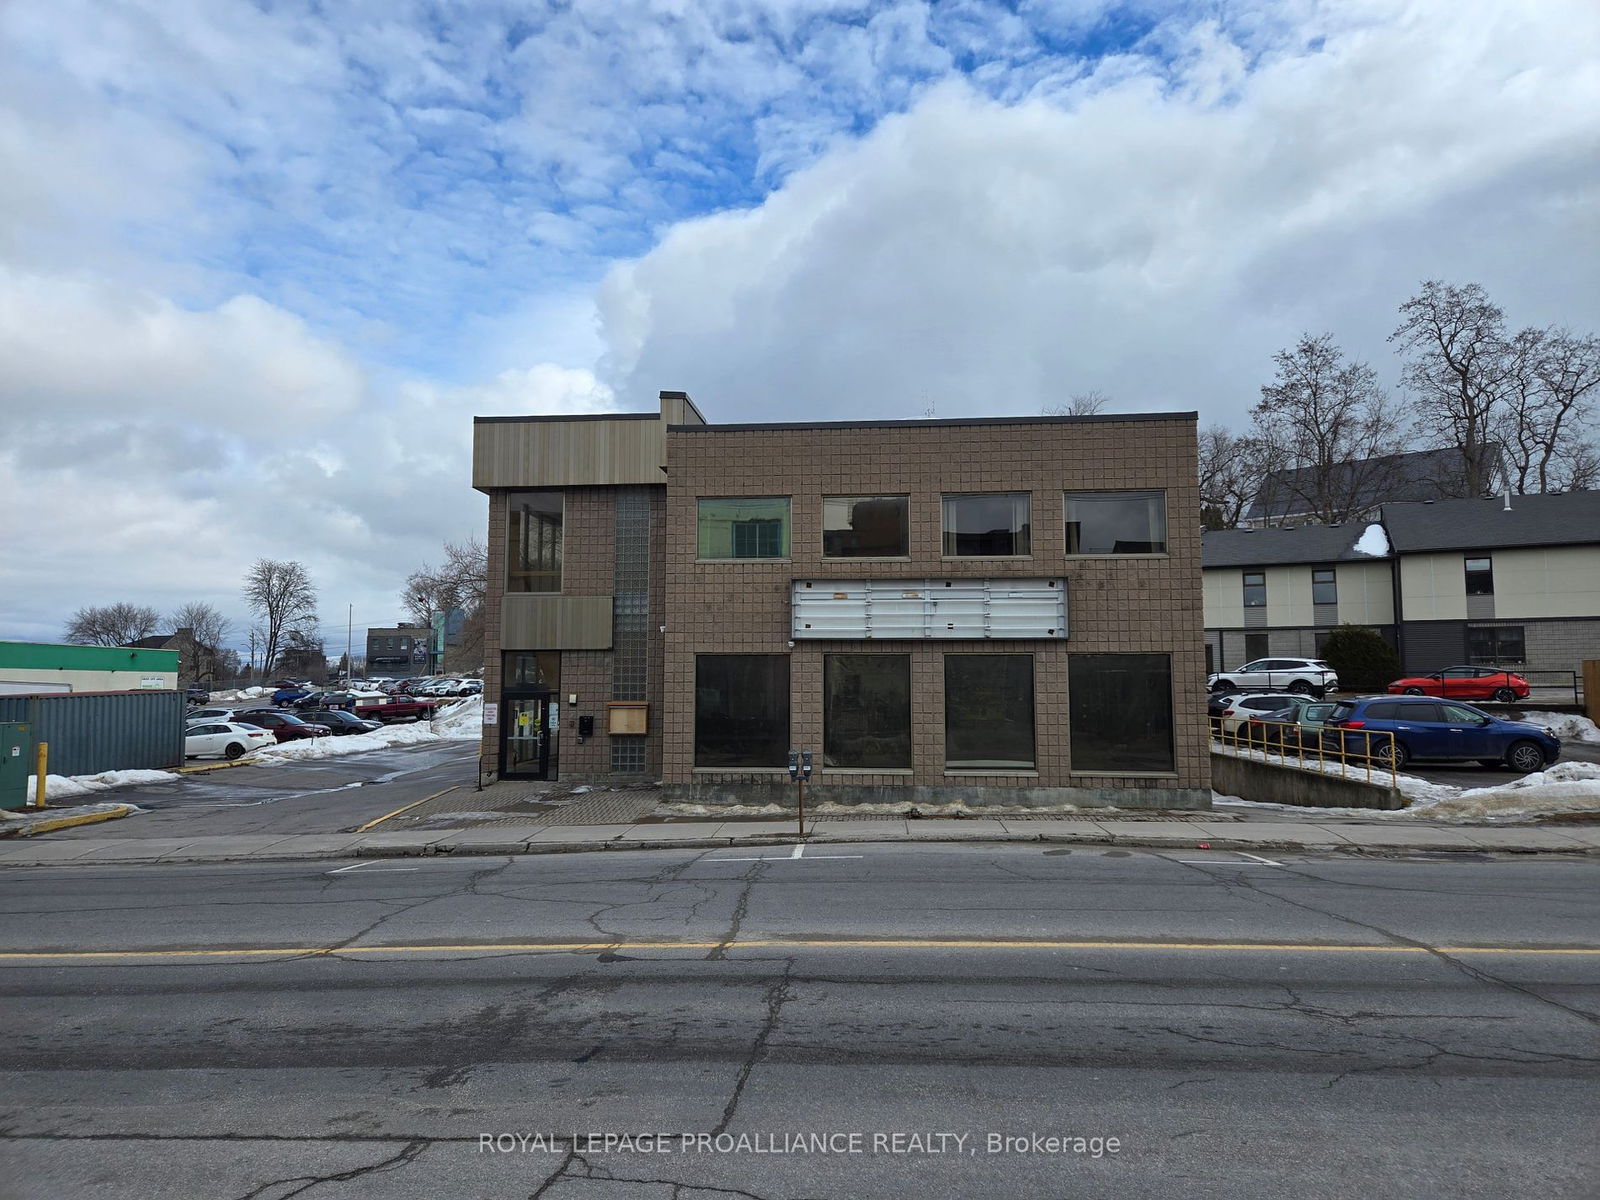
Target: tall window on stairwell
{"x":533,"y":550}
{"x":1480,"y":576}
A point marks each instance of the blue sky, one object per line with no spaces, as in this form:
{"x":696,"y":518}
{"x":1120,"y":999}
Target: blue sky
{"x":287,"y":250}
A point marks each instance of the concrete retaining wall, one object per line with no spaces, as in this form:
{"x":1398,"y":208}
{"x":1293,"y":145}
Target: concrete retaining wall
{"x":719,"y":794}
{"x":1270,"y":783}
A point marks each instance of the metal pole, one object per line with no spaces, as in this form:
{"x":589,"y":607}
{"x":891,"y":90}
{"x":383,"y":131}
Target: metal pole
{"x":349,"y":627}
{"x":801,"y":801}
{"x":41,"y":764}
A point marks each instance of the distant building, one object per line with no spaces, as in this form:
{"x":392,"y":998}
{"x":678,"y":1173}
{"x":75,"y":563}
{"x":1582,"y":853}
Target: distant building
{"x":1453,"y":582}
{"x":36,"y":668}
{"x":400,"y":651}
{"x":1367,"y":484}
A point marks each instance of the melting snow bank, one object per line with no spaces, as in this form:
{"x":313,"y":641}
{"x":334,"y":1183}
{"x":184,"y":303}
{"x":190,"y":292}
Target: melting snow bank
{"x":461,"y":721}
{"x":62,"y":787}
{"x":1564,"y":790}
{"x":1569,"y":727}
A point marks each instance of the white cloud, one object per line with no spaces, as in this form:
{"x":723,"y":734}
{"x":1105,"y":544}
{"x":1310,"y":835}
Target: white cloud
{"x":1156,"y":230}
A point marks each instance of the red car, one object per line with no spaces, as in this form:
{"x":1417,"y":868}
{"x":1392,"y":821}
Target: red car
{"x":284,"y":726}
{"x":1465,"y":683}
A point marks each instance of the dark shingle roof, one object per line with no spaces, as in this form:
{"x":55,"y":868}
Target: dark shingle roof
{"x":1569,"y":519}
{"x":1276,"y":547}
{"x":1415,"y":475}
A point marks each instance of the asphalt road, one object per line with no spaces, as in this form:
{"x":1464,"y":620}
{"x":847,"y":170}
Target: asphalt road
{"x":322,"y":796}
{"x":1243,"y":1026}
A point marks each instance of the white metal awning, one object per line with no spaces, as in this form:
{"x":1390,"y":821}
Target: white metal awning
{"x":971,"y":609}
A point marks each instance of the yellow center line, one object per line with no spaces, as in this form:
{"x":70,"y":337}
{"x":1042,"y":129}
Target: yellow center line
{"x":403,"y":808}
{"x":553,"y":947}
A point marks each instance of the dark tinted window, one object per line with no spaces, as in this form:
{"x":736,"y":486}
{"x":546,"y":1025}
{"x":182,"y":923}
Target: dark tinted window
{"x":1120,"y":708}
{"x":988,"y":711}
{"x":1383,"y":712}
{"x":865,"y":527}
{"x":1496,"y":644}
{"x":1255,"y":589}
{"x":1324,"y":587}
{"x":741,"y":710}
{"x":1116,"y":522}
{"x":1480,"y":576}
{"x":987,"y":525}
{"x":1419,"y":712}
{"x":533,"y":549}
{"x":866,"y":710}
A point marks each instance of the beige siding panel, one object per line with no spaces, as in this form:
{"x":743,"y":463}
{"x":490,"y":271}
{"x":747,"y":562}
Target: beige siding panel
{"x":536,"y":454}
{"x":1561,"y":581}
{"x":541,"y":622}
{"x":1433,"y":587}
{"x":1366,"y":593}
{"x":1224,"y":598}
{"x":1289,"y":597}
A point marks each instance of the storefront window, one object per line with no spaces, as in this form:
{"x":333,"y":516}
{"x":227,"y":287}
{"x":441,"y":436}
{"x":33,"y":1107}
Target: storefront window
{"x":1116,"y":522}
{"x":1120,"y":709}
{"x":987,"y":526}
{"x":865,"y":527}
{"x":741,"y":710}
{"x":988,"y":712}
{"x":867,"y":711}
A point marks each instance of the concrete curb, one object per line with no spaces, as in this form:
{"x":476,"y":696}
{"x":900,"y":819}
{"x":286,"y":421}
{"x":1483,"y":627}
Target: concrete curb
{"x":441,"y":847}
{"x":51,"y":824}
{"x":202,"y":768}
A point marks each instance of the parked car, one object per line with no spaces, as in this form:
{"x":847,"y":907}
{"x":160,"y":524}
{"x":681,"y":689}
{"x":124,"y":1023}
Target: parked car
{"x":339,"y":722}
{"x":1303,"y":676}
{"x":1298,"y":726}
{"x":397,"y":708}
{"x":286,"y":727}
{"x":229,"y":739}
{"x":195,"y":715}
{"x":1465,"y":683}
{"x":289,"y":694}
{"x":471,"y":687}
{"x":1237,"y":708}
{"x":1427,"y":728}
{"x":194,"y":694}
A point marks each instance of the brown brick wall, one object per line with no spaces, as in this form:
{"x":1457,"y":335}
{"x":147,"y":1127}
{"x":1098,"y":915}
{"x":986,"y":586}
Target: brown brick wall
{"x":1115,"y":604}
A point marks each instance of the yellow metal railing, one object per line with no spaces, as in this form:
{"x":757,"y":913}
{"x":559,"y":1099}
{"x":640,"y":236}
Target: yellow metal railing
{"x":1312,"y":747}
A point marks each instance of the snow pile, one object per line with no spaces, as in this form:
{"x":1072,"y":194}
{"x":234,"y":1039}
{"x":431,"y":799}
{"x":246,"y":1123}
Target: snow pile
{"x":62,"y":787}
{"x":1373,"y":541}
{"x":1562,"y":790}
{"x":249,"y":693}
{"x":1569,"y":727}
{"x":410,"y":734}
{"x":461,"y":721}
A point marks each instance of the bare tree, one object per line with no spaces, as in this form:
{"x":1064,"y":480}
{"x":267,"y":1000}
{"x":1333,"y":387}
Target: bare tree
{"x":458,"y":583}
{"x":111,"y":625}
{"x":1458,"y":369}
{"x":1230,"y":473}
{"x":1568,"y":373}
{"x":207,"y":629}
{"x":282,"y":595}
{"x":1326,"y":432}
{"x":1081,"y":404}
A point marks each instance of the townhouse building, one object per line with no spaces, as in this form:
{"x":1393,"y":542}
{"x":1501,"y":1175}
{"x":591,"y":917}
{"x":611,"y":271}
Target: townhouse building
{"x":1493,"y":582}
{"x":986,"y":610}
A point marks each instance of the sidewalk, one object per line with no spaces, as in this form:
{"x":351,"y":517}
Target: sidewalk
{"x":1182,"y":831}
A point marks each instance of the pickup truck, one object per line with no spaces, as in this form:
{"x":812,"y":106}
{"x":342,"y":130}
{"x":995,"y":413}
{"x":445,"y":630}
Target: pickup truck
{"x":395,"y":708}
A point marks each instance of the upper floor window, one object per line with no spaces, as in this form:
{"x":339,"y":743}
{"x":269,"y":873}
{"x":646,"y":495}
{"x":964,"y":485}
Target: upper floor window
{"x":1324,"y":587}
{"x":533,"y":551}
{"x":1116,"y":522}
{"x":1255,"y":589}
{"x":1480,"y":577}
{"x":865,"y":527}
{"x":743,"y":527}
{"x":987,"y":526}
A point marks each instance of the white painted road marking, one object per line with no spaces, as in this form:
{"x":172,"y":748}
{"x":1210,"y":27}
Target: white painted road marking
{"x":368,"y":863}
{"x":795,"y":855}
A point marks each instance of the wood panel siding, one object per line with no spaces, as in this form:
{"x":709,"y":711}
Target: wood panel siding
{"x":569,"y":452}
{"x":531,"y":621}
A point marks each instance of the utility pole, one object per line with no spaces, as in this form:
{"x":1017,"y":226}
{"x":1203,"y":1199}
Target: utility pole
{"x":349,"y":631}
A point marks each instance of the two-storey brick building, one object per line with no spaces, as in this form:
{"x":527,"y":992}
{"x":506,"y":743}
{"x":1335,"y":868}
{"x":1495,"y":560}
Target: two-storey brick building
{"x":989,"y":610}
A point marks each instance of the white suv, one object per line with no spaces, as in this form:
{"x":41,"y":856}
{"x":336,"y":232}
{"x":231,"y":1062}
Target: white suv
{"x":1302,"y":676}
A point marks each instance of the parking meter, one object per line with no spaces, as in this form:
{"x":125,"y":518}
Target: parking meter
{"x":805,"y":764}
{"x":794,"y":765}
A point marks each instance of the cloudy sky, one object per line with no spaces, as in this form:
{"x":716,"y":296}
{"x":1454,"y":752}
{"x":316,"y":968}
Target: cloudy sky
{"x":261,"y":263}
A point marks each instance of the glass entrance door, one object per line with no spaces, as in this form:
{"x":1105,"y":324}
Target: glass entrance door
{"x":528,"y":737}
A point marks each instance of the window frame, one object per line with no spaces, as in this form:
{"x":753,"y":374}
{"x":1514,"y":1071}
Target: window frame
{"x":1081,"y":735}
{"x":1331,"y":582}
{"x":1483,"y":573}
{"x":1008,"y":767}
{"x":946,"y":533}
{"x":1245,"y":578}
{"x":787,"y":547}
{"x":514,"y":545}
{"x":1068,"y":523}
{"x":785,"y":691}
{"x":1500,"y":636}
{"x":834,"y":660}
{"x":905,"y":528}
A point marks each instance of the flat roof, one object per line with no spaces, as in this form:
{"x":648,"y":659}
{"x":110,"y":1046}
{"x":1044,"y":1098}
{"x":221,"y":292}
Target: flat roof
{"x":779,"y":426}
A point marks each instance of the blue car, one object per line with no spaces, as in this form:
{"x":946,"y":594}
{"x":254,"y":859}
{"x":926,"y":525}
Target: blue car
{"x":1424,"y":727}
{"x":289,"y":695}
